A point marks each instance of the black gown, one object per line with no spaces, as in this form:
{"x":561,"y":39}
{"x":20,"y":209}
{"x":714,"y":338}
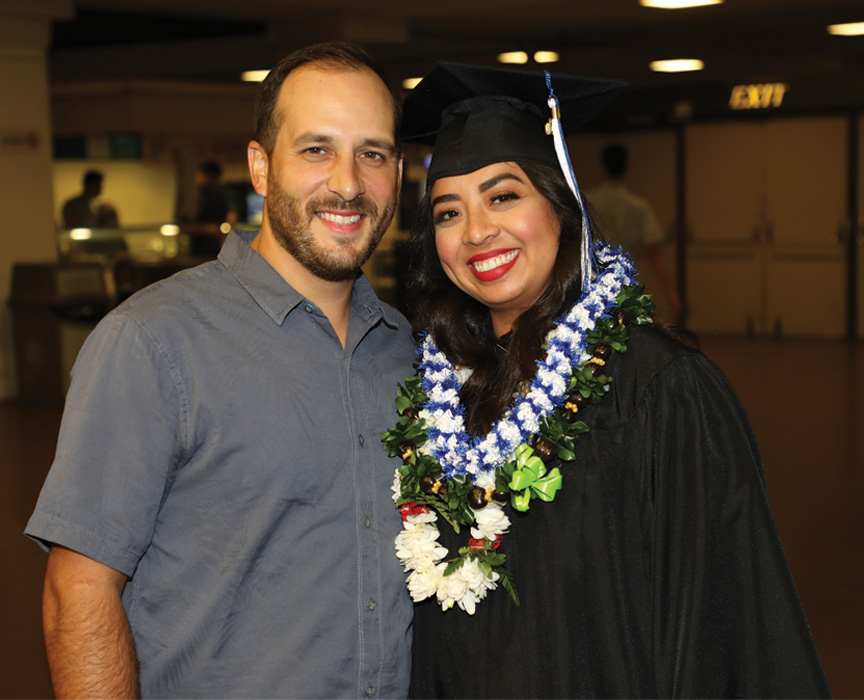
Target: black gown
{"x":656,"y":572}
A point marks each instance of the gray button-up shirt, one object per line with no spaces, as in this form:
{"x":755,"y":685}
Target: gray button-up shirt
{"x":222,"y":449}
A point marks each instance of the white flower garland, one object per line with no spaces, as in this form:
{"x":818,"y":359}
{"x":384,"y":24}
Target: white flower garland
{"x":460,"y":453}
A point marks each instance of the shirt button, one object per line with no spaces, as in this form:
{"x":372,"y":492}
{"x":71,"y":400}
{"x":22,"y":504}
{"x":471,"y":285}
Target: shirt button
{"x":367,"y":523}
{"x":309,"y":308}
{"x":361,"y":439}
{"x":370,"y":605}
{"x":370,"y":691}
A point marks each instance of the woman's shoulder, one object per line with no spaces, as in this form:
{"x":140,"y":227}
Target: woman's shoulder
{"x":656,"y":361}
{"x":650,"y":349}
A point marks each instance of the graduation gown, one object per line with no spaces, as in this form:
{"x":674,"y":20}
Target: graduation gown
{"x":656,"y":572}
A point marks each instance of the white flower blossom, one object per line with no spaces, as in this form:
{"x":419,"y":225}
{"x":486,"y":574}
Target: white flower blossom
{"x":485,"y":480}
{"x":451,"y":589}
{"x":440,"y":395}
{"x":417,"y":546}
{"x":439,"y":375}
{"x":557,"y":359}
{"x":556,"y":383}
{"x":452,"y":443}
{"x":510,"y":433}
{"x":489,"y":522}
{"x":529,"y":417}
{"x":493,"y":454}
{"x":477,"y":580}
{"x":478,"y":585}
{"x":449,"y":423}
{"x":397,"y":486}
{"x":423,"y":584}
{"x":469,"y":601}
{"x":420,"y":518}
{"x":541,"y":399}
{"x":463,"y":374}
{"x":566,"y":335}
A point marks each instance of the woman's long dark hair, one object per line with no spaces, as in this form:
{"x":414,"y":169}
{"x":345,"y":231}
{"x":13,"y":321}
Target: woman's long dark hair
{"x":461,"y":326}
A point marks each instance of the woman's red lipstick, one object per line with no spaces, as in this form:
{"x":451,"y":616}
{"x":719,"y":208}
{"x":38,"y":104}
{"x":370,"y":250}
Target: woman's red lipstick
{"x":493,"y":264}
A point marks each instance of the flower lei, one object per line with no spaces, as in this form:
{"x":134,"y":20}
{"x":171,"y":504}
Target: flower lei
{"x":468,"y":479}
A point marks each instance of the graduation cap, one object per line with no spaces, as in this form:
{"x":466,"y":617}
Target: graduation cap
{"x":476,"y":116}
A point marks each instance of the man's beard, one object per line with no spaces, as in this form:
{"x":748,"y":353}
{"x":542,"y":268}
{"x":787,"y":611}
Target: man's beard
{"x":291,"y":226}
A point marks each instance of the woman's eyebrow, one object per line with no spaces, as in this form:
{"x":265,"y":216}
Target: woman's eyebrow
{"x":484,"y":186}
{"x":445,"y":198}
{"x":492,"y":181}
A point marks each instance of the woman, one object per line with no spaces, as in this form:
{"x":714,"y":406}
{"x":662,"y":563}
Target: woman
{"x":584,"y":505}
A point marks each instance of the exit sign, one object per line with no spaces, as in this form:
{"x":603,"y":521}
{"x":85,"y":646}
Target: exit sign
{"x":760,"y":96}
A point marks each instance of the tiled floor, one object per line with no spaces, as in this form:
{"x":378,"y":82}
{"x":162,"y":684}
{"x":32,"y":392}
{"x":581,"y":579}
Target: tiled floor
{"x":806,"y":402}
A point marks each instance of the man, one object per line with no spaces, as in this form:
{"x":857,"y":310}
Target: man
{"x":214,"y":209}
{"x":213,"y":204}
{"x":629,"y":221}
{"x":78,"y":211}
{"x":220,"y":507}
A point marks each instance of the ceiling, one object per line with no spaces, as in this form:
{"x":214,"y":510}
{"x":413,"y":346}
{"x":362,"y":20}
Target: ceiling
{"x":741,"y":42}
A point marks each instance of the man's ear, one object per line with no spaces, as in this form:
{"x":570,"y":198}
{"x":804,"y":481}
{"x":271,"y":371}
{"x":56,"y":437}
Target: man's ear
{"x":259,"y":164}
{"x":399,"y":174}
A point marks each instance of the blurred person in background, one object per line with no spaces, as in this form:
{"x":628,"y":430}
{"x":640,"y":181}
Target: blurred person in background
{"x":628,"y":220}
{"x":214,"y":209}
{"x":81,"y":211}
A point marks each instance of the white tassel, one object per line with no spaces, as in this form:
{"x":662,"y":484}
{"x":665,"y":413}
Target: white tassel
{"x":586,"y":259}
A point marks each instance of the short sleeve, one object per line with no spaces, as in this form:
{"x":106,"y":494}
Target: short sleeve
{"x":651,"y":231}
{"x":121,"y":430}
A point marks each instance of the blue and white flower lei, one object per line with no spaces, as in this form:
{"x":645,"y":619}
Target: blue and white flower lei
{"x":460,"y":453}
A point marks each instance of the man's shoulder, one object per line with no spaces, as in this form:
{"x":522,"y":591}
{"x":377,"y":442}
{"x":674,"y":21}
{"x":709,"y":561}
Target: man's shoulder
{"x":74,"y":202}
{"x":180,"y":291}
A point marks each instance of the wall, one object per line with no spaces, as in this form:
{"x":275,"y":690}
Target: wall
{"x":26,"y":198}
{"x":179,"y":125}
{"x":142,"y":193}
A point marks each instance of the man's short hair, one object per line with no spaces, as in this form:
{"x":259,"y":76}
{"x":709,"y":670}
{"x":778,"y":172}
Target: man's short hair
{"x":615,"y":159}
{"x":334,"y":54}
{"x":93,"y":177}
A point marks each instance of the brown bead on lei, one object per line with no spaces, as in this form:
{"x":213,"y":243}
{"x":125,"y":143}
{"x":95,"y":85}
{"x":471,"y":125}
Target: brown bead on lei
{"x":544,"y":448}
{"x":477,"y":498}
{"x":406,"y":449}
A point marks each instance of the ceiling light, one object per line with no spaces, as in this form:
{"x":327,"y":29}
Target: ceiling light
{"x":169,"y":230}
{"x":851,"y":29}
{"x":254,"y":76}
{"x":80,"y":234}
{"x":546,"y":56}
{"x":678,"y":4}
{"x":410,"y":83}
{"x":513,"y":57}
{"x":677,"y":65}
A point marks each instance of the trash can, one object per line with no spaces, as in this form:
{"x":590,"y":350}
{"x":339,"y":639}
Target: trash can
{"x":54,"y":308}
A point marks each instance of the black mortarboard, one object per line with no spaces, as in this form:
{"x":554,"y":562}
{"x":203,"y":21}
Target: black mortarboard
{"x":476,"y":116}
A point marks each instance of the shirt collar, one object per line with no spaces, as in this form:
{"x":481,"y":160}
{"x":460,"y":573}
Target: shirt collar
{"x":276,"y":297}
{"x":370,"y":307}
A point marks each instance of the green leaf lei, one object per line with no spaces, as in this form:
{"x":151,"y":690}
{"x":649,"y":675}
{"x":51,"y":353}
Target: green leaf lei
{"x":523,"y":477}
